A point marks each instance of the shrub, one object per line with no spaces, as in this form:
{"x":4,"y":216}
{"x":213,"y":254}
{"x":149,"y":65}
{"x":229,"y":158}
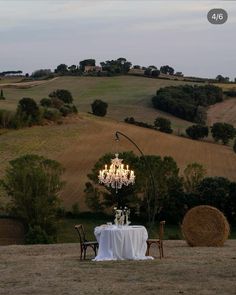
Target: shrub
{"x":67,"y":109}
{"x":223,"y":132}
{"x":46,"y":102}
{"x":52,"y":114}
{"x":197,"y":131}
{"x":130,"y":120}
{"x":234,"y":146}
{"x":63,"y":95}
{"x":2,"y":97}
{"x":29,"y":110}
{"x":163,"y":125}
{"x":36,"y":235}
{"x":193,"y":175}
{"x":57,"y":103}
{"x":99,"y":108}
{"x":7,"y":119}
{"x":75,"y":209}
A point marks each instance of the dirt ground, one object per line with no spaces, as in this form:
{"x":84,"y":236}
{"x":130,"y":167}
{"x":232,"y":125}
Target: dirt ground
{"x":56,"y":269}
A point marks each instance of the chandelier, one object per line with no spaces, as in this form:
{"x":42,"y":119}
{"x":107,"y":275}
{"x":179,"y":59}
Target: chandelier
{"x":117,"y":175}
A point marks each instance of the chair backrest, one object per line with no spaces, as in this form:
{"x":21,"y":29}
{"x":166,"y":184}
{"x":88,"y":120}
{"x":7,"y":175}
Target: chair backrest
{"x":80,"y":230}
{"x":161,"y":230}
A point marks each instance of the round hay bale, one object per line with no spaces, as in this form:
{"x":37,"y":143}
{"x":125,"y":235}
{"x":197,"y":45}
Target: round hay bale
{"x":205,"y":226}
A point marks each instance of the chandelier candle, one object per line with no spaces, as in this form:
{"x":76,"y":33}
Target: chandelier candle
{"x":116,"y":176}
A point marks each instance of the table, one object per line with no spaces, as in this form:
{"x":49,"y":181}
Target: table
{"x":121,"y":242}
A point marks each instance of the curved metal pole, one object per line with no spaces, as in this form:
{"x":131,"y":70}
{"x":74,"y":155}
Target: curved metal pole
{"x":146,"y":163}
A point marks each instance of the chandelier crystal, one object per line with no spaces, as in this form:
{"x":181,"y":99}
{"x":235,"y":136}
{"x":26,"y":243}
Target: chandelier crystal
{"x":117,"y":175}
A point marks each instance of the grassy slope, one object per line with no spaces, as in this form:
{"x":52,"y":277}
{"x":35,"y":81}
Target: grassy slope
{"x":126,"y":95}
{"x":79,"y":144}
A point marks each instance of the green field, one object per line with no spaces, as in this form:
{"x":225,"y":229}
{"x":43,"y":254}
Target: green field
{"x":126,"y":95}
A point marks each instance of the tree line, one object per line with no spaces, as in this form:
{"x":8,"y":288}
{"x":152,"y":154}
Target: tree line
{"x":174,"y":193}
{"x":33,"y":184}
{"x":187,"y":102}
{"x":220,"y":131}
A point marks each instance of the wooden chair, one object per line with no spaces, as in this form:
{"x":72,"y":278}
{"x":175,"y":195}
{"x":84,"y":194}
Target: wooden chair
{"x":158,"y":242}
{"x":84,"y":244}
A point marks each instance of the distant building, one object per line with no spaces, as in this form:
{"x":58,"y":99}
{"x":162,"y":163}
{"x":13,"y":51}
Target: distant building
{"x":136,"y":72}
{"x":88,"y":69}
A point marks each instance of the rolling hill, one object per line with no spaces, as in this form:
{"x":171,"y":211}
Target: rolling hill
{"x":127,"y":96}
{"x":80,"y":142}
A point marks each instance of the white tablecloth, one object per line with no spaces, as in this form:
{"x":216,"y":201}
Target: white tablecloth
{"x":119,"y":243}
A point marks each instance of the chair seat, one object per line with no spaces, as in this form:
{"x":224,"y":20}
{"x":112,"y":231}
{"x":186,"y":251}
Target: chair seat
{"x":153,"y":241}
{"x":90,"y":243}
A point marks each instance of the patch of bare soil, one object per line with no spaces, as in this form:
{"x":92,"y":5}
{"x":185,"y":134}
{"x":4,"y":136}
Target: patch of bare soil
{"x":222,"y":112}
{"x":25,"y":85}
{"x":56,"y":269}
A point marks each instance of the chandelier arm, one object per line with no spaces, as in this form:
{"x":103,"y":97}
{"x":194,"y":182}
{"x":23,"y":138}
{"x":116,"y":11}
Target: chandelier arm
{"x":146,"y":163}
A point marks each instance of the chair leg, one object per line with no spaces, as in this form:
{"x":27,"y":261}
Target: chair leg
{"x":81,"y":252}
{"x":162,"y":250}
{"x":95,"y":250}
{"x":85,"y":249}
{"x":148,"y":248}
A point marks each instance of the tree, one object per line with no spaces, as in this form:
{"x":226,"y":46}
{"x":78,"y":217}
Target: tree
{"x":28,"y":110}
{"x":234,"y":146}
{"x":163,"y":125}
{"x":2,"y":97}
{"x":155,"y":73}
{"x":193,"y":175}
{"x":93,"y":197}
{"x":222,"y":79}
{"x":62,"y":94}
{"x":61,"y":69}
{"x":197,"y":131}
{"x":33,"y":183}
{"x":168,"y":186}
{"x":107,"y":196}
{"x":119,"y":66}
{"x":179,"y":74}
{"x":215,"y":191}
{"x":167,"y":70}
{"x":223,"y":132}
{"x":99,"y":108}
{"x":46,"y":102}
{"x":41,"y":73}
{"x":87,"y":62}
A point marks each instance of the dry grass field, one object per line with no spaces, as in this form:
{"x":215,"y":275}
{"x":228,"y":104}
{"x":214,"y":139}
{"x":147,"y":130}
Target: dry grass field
{"x":223,"y":112}
{"x":81,"y":141}
{"x":56,"y":269}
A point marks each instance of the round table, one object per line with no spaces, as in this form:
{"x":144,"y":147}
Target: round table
{"x":121,"y":242}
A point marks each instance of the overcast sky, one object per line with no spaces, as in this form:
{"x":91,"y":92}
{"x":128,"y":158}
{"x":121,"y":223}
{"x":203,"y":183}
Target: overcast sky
{"x":38,"y":34}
